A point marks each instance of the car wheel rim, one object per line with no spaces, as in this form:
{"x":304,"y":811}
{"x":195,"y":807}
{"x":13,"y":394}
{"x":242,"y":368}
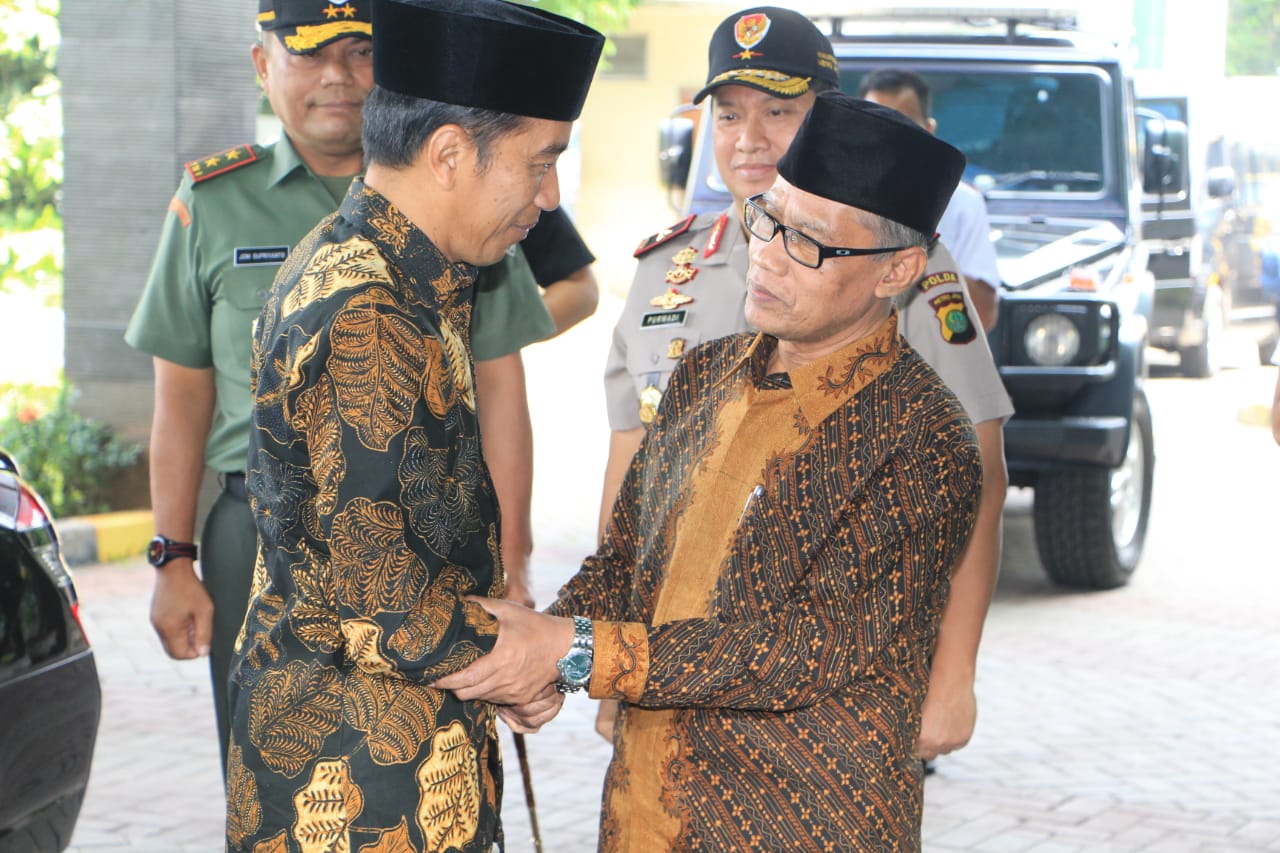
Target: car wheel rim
{"x":1126,"y":491}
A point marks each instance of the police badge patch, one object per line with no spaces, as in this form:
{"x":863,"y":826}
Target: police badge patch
{"x":953,"y":317}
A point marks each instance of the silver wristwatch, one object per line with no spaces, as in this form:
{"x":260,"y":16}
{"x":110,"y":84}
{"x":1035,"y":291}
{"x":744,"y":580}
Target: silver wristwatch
{"x":575,"y":666}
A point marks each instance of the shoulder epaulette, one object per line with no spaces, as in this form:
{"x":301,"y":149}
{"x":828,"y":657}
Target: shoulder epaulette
{"x":219,"y":164}
{"x":653,"y":241}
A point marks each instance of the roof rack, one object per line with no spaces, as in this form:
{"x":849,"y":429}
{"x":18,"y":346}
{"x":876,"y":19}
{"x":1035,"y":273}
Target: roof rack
{"x":1010,"y":17}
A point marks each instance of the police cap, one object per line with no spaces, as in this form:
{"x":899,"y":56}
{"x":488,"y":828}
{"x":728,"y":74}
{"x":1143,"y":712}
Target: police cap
{"x":307,"y":25}
{"x":775,"y":50}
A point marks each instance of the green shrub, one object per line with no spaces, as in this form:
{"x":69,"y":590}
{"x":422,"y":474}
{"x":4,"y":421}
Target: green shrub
{"x":72,"y":461}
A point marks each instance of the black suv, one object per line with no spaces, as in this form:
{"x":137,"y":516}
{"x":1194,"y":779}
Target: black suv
{"x":1047,"y":118}
{"x":49,"y":693}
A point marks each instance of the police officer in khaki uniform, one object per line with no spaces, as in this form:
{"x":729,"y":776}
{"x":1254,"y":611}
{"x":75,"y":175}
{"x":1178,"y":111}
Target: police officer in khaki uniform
{"x":233,"y":220}
{"x":765,"y":66}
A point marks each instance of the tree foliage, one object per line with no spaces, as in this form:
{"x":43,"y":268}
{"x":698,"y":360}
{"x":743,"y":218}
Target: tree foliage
{"x":608,"y":16}
{"x":1253,"y":37}
{"x":30,"y":147}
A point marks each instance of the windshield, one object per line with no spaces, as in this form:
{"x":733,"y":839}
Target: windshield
{"x":1022,"y":130}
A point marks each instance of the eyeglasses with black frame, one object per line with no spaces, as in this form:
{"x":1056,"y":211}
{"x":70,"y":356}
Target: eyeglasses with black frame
{"x":802,"y":248}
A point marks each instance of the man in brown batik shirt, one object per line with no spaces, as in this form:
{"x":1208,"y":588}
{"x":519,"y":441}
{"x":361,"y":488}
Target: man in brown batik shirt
{"x":769,"y":587}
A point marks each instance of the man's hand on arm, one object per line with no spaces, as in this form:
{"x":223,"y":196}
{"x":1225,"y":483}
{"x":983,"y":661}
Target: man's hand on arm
{"x":523,"y":661}
{"x":950,"y":707}
{"x":181,"y":610}
{"x":506,"y":435}
{"x":531,"y":716}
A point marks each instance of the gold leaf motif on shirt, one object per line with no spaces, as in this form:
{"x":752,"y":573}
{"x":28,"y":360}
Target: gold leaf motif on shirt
{"x":378,"y":362}
{"x":278,"y":843}
{"x":459,"y":365}
{"x":375,"y":570}
{"x":394,"y":840}
{"x":497,"y":589}
{"x":397,"y":715}
{"x":291,"y":712}
{"x":429,"y":618}
{"x":244,"y":812}
{"x":316,"y":419}
{"x":265,"y":611}
{"x":292,"y":355}
{"x":393,"y":229}
{"x":314,"y":614}
{"x":326,"y":808}
{"x":256,"y":588}
{"x":334,"y":267}
{"x":449,"y":790}
{"x":448,"y":282}
{"x":437,"y":385}
{"x":360,"y":640}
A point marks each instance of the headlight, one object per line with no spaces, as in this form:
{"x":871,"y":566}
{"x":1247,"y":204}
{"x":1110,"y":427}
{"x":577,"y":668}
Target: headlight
{"x":1051,"y":340}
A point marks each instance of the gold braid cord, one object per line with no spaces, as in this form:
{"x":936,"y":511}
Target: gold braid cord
{"x":782,"y":84}
{"x":309,"y":38}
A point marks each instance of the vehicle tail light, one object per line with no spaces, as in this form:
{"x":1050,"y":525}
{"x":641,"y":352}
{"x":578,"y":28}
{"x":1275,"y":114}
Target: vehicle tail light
{"x":75,"y":614}
{"x":31,"y":511}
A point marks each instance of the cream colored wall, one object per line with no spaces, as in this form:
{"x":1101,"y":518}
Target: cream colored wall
{"x":619,"y":199}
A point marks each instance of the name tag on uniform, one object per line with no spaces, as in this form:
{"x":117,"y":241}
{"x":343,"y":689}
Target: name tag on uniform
{"x":260,"y":256}
{"x":658,"y":319}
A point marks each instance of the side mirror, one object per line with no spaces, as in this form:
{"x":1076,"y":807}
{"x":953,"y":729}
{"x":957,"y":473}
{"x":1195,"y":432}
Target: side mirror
{"x":1164,"y":162}
{"x":1220,"y":182}
{"x":675,"y":151}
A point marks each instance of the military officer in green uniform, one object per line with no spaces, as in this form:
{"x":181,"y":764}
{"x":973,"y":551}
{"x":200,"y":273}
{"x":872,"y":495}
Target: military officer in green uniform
{"x":765,"y":67}
{"x":232,"y":222}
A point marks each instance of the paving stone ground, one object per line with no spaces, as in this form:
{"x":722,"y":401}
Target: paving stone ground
{"x":1141,"y":719}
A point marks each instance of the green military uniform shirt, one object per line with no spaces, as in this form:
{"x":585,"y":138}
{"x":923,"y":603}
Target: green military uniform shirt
{"x":227,"y":231}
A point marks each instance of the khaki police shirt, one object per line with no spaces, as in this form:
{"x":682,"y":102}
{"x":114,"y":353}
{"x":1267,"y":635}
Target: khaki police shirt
{"x":936,"y":317}
{"x":222,"y":242}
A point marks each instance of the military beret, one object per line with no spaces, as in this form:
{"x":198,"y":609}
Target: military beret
{"x":873,"y":158}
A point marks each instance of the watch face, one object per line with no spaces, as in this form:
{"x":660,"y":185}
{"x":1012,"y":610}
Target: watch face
{"x":155,"y":552}
{"x":575,"y":667}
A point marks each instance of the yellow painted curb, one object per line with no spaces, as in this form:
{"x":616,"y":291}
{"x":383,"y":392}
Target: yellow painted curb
{"x":121,"y":534}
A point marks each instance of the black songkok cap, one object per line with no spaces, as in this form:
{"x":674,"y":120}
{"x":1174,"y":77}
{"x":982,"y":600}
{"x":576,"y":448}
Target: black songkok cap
{"x":307,"y":25}
{"x":873,"y":158}
{"x":487,"y":54}
{"x":774,"y":50}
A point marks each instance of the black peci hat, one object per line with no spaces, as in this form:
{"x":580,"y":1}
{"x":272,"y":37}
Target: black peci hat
{"x":775,"y":50}
{"x":307,"y":25}
{"x":875,"y":159}
{"x":488,"y":54}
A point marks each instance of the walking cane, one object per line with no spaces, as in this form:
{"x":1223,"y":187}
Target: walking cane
{"x":528,"y":790}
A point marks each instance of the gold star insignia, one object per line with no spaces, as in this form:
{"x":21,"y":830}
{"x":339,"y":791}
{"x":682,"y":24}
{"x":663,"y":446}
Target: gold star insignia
{"x":211,"y":162}
{"x":685,"y":255}
{"x":349,"y":11}
{"x":671,"y":299}
{"x":747,"y":54}
{"x":233,"y":154}
{"x":332,"y":12}
{"x":681,"y":275}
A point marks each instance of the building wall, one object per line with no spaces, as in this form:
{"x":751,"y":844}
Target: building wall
{"x":146,"y":86}
{"x":619,"y":199}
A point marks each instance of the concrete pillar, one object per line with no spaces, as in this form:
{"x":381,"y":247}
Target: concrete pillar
{"x":146,"y":86}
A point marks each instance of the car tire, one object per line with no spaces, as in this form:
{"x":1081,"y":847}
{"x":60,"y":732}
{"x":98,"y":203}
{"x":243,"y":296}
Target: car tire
{"x":1090,"y":524}
{"x":1204,"y":360}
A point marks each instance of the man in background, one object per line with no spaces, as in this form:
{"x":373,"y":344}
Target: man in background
{"x":964,"y":228}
